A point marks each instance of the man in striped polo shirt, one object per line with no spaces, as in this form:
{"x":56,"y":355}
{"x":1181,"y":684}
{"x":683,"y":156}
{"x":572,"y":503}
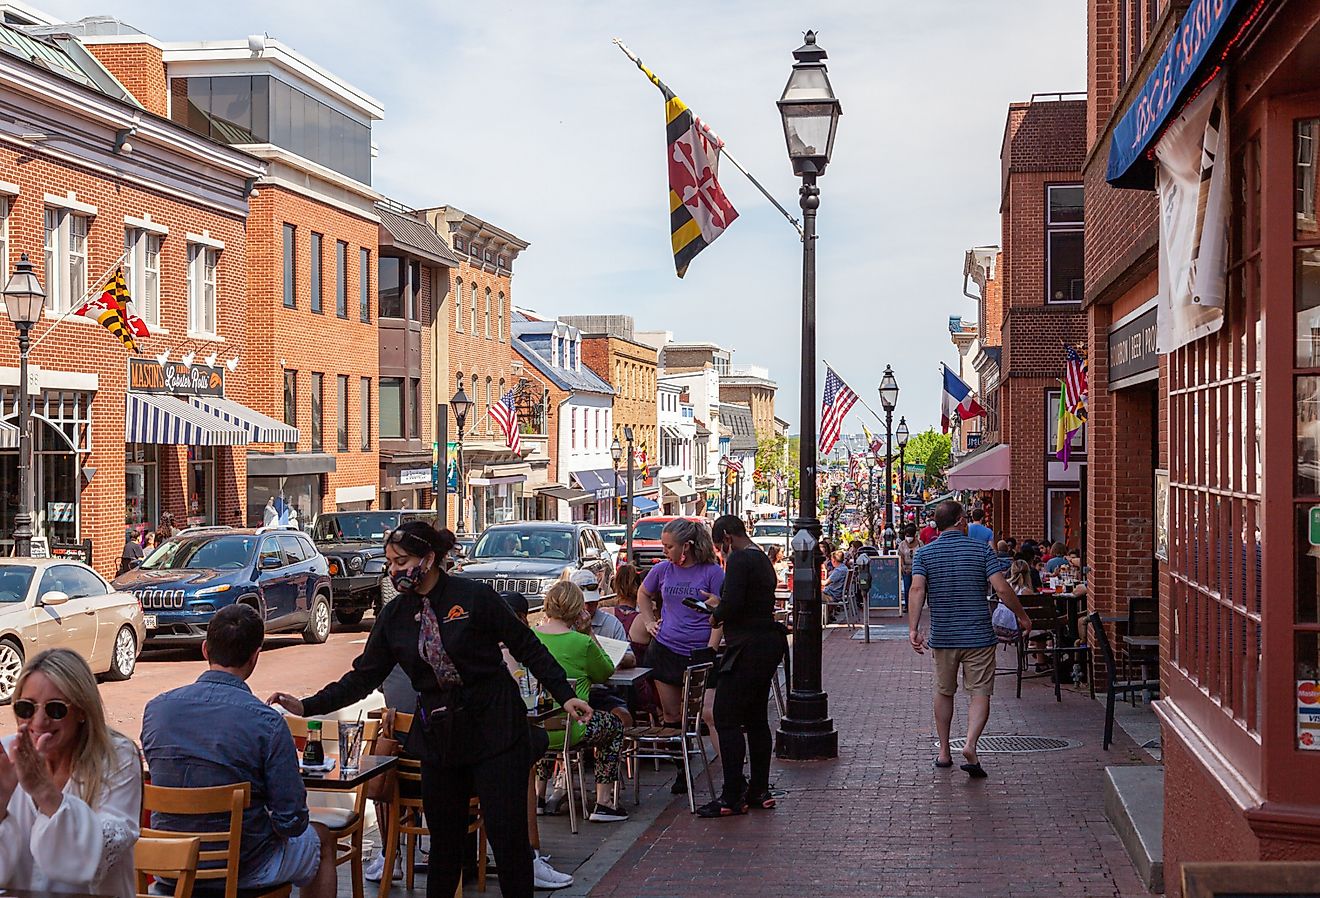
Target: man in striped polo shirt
{"x":951,"y":573}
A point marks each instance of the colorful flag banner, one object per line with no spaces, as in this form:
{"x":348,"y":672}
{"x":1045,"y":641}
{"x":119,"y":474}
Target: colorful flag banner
{"x":959,"y":401}
{"x":111,"y":310}
{"x":698,"y":209}
{"x":1067,"y":426}
{"x":1076,"y":388}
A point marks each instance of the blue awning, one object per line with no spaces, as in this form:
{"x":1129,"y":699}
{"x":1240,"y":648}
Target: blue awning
{"x":645,"y":505}
{"x":160,"y":419}
{"x":1198,"y":43}
{"x":600,"y":483}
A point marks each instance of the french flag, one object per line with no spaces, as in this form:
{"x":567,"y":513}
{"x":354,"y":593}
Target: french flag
{"x":958,"y":401}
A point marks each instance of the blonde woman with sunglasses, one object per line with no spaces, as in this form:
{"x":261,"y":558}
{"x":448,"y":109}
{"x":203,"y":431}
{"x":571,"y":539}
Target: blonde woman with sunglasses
{"x":70,"y":787}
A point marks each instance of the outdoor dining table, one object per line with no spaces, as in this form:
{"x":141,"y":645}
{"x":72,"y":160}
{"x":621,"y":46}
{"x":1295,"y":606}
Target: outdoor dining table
{"x":628,"y":676}
{"x":341,"y":780}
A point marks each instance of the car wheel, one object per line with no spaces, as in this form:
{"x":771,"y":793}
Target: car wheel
{"x":123,"y":660}
{"x":387,"y":591}
{"x":11,"y":665}
{"x":349,"y":618}
{"x":318,"y":627}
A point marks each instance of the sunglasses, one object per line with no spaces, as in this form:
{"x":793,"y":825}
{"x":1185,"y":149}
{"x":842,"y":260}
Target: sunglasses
{"x":413,"y":545}
{"x":26,"y":709}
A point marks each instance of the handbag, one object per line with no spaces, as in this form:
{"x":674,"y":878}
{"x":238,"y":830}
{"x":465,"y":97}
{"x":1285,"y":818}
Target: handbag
{"x":381,"y":788}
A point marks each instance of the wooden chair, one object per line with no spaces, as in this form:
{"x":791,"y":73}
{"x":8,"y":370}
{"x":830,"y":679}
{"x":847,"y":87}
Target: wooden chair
{"x":346,"y":825}
{"x":406,"y":818}
{"x":1048,"y":624}
{"x":173,"y":858}
{"x":674,"y":743}
{"x":1113,"y":685}
{"x":222,"y":846}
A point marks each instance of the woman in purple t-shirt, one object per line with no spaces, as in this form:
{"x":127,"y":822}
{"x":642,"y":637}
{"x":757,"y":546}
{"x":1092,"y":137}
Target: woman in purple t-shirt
{"x":682,"y":636}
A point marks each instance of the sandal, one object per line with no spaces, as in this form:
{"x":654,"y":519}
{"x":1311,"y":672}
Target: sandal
{"x":943,"y":765}
{"x":721,"y":808}
{"x":761,"y":801}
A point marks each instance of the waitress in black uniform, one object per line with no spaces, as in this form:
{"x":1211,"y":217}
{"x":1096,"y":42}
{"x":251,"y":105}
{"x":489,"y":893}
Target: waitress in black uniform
{"x":470,"y":731}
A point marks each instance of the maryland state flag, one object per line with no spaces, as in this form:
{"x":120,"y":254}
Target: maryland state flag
{"x":698,"y":209}
{"x":111,"y":310}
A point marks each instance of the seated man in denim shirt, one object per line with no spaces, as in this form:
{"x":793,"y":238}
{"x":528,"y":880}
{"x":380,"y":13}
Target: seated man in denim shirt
{"x":215,"y":732}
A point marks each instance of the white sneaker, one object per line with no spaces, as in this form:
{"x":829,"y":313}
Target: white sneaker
{"x":547,"y":877}
{"x":375,"y":868}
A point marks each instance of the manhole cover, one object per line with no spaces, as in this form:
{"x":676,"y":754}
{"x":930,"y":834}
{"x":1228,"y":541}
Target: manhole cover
{"x":1016,"y":745}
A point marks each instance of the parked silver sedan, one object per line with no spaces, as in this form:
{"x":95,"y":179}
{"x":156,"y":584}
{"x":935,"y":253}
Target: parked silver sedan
{"x":49,"y":602}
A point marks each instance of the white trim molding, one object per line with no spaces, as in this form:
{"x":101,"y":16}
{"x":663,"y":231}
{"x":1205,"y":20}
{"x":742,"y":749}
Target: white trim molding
{"x":146,"y":224}
{"x":204,"y":239}
{"x":70,"y":202}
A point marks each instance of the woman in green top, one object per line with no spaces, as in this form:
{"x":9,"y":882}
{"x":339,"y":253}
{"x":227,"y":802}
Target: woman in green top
{"x":585,"y":662}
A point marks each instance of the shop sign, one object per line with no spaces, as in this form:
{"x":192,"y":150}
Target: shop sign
{"x":1132,"y":348}
{"x":175,"y":378}
{"x":414,"y":475}
{"x":1308,"y":715}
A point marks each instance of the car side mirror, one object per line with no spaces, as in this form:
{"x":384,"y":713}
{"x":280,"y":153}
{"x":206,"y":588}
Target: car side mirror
{"x":54,"y":597}
{"x":270,"y":563}
{"x":591,"y":553}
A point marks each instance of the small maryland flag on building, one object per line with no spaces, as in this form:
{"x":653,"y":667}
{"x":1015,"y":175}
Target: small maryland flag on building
{"x":111,"y":310}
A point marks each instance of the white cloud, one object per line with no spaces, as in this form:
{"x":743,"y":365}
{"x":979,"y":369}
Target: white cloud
{"x":525,"y":114}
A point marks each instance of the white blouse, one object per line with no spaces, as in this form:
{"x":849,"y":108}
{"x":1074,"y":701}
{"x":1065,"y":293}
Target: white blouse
{"x":80,"y":848}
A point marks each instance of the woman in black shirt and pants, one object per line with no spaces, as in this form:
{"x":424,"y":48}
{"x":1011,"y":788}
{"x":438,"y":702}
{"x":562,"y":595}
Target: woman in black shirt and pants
{"x":470,"y":732}
{"x":754,"y":645}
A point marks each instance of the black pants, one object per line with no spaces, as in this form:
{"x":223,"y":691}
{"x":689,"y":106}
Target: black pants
{"x":501,"y":784}
{"x":742,"y":697}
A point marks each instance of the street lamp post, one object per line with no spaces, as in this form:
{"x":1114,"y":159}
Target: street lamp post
{"x":616,"y":453}
{"x":810,"y":114}
{"x":24,"y":300}
{"x":629,"y":510}
{"x":461,"y":405}
{"x":902,"y":436}
{"x":724,"y":484}
{"x":889,"y":399}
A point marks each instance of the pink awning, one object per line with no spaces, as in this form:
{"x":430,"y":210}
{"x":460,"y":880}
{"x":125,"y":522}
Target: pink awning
{"x":988,"y":470}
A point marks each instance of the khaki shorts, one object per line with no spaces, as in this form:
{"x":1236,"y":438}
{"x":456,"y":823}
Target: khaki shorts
{"x":978,"y":667}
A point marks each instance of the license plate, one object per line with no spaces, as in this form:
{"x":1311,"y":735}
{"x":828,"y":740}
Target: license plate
{"x":149,"y":621}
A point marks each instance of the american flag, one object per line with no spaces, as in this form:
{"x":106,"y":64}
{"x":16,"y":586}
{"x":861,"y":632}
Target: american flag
{"x":855,"y":468}
{"x":1075,"y":386}
{"x":839,"y":400}
{"x":506,"y":416}
{"x":735,"y":466}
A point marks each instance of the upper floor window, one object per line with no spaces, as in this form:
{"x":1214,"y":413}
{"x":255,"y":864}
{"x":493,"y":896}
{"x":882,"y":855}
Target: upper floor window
{"x":315,"y":279}
{"x":1064,"y":243}
{"x":341,"y":279}
{"x":289,"y":269}
{"x":457,"y":300}
{"x":488,"y":304}
{"x":203,"y":261}
{"x":414,"y":287}
{"x":142,"y":273}
{"x":473,"y":321}
{"x":318,"y":421}
{"x":499,"y":326}
{"x":389,"y":287}
{"x":364,"y":285}
{"x":4,"y":232}
{"x":66,"y":258}
{"x":391,"y":408}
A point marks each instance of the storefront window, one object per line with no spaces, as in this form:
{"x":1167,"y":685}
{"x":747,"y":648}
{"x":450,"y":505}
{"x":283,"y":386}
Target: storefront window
{"x":1065,"y":517}
{"x":141,"y":487}
{"x":302,"y":492}
{"x":201,"y":486}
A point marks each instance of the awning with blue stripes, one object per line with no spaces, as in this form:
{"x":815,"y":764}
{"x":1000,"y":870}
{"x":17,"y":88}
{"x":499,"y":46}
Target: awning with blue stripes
{"x":8,"y":435}
{"x":259,"y":427}
{"x":159,"y":419}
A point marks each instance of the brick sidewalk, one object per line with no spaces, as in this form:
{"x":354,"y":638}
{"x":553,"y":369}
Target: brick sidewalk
{"x":881,"y":821}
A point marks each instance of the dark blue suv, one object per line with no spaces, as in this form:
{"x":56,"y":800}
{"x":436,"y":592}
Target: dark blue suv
{"x":185,"y":580}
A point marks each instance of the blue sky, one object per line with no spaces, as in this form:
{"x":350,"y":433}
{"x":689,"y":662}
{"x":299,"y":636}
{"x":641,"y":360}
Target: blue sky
{"x":525,"y":114}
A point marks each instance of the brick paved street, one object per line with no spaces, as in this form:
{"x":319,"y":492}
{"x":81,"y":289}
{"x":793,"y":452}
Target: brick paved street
{"x":881,"y":821}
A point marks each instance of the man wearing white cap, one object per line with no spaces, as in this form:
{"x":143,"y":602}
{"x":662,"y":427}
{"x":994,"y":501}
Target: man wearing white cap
{"x":606,"y":625}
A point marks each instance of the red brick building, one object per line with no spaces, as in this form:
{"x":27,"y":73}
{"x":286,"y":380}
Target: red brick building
{"x":479,"y":324}
{"x":312,"y":237}
{"x":1204,"y":442}
{"x":102,"y":181}
{"x":1039,"y":274}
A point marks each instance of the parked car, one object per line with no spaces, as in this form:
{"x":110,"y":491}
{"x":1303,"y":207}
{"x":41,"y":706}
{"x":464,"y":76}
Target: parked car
{"x":772,"y":532}
{"x":188,"y":578}
{"x":49,"y":602}
{"x":526,"y":557}
{"x":647,"y":550}
{"x":353,"y":543}
{"x":615,"y":537}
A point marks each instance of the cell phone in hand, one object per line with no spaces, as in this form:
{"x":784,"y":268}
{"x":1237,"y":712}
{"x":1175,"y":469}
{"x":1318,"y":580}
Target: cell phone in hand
{"x":698,"y":604}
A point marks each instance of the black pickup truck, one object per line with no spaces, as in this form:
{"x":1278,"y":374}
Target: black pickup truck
{"x":353,"y":542}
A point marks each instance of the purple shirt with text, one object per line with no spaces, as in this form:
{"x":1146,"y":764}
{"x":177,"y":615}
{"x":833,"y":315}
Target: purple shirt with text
{"x":682,"y":629}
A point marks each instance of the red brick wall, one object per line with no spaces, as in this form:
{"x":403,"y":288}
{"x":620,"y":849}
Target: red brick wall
{"x":634,"y":404}
{"x":140,"y":69}
{"x":79,"y":344}
{"x":992,"y":307}
{"x":310,"y":342}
